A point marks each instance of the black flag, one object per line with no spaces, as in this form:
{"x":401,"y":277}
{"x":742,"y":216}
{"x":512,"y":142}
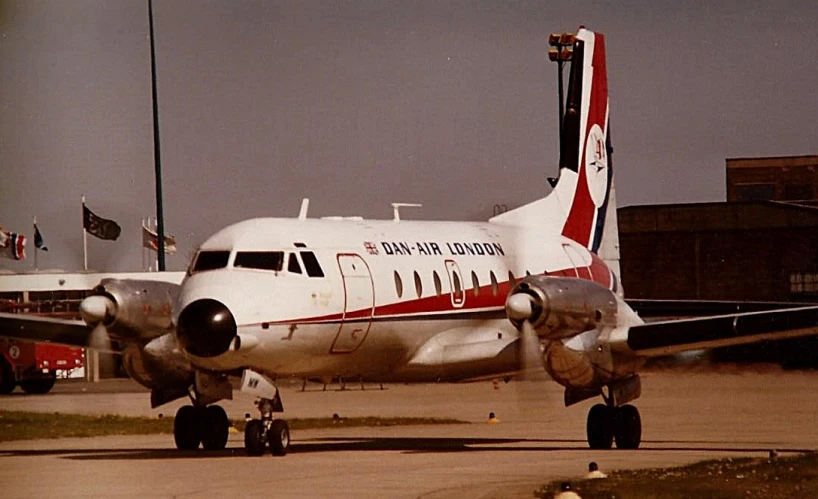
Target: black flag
{"x":98,"y":226}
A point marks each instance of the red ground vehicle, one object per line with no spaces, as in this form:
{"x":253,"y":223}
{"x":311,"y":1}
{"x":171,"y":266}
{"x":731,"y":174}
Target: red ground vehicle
{"x":34,"y":366}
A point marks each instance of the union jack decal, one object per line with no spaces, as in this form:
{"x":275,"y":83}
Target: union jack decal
{"x":371,"y":248}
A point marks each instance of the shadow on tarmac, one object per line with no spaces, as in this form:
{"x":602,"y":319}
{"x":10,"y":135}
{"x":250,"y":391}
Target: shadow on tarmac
{"x":395,"y":444}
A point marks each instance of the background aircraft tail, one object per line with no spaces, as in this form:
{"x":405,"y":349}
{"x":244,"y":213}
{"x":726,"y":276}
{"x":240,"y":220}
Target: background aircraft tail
{"x":582,"y":205}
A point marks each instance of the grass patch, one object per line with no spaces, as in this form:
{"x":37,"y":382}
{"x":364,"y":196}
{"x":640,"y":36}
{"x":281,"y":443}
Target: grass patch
{"x":742,"y":478}
{"x":19,"y":425}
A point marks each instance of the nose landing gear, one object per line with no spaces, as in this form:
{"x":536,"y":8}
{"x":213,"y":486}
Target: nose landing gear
{"x":267,"y":431}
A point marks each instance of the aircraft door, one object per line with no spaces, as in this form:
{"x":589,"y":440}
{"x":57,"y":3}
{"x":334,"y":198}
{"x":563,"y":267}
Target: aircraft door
{"x":456,"y":284}
{"x":359,"y":303}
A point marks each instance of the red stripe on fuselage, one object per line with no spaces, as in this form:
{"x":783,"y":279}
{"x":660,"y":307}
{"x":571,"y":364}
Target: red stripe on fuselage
{"x":483,"y":300}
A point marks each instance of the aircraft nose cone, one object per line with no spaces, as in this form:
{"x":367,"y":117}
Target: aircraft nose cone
{"x":96,"y":308}
{"x":206,"y":328}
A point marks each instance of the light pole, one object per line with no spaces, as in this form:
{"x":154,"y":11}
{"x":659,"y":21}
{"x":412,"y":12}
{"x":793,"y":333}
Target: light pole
{"x":157,"y":156}
{"x":562,"y":52}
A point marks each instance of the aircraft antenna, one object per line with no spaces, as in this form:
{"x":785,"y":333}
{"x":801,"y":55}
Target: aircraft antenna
{"x":305,"y":205}
{"x":397,"y":206}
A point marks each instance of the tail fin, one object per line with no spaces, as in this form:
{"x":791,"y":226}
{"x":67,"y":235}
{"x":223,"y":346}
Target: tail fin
{"x":581,"y":206}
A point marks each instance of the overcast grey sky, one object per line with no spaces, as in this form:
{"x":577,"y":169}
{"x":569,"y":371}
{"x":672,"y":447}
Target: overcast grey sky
{"x":359,"y":104}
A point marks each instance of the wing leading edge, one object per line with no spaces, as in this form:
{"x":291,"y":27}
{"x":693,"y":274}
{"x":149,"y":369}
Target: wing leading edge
{"x":34,"y":328}
{"x":672,"y":337}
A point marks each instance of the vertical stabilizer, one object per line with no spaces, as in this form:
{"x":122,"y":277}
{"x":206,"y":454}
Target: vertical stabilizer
{"x":581,"y":206}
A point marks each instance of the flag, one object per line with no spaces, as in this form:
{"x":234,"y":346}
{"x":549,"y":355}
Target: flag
{"x":12,"y":245}
{"x":98,"y":226}
{"x":38,"y":239}
{"x":150,"y":240}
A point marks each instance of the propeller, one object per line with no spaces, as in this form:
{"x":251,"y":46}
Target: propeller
{"x":98,"y":312}
{"x":522,"y":309}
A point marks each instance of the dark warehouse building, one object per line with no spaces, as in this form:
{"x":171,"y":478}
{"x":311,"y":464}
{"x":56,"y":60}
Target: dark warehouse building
{"x":760,"y":245}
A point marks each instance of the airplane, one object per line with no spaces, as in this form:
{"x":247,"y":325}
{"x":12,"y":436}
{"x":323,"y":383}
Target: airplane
{"x":268,"y":299}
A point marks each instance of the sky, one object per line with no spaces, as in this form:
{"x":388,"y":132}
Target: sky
{"x":358,"y":104}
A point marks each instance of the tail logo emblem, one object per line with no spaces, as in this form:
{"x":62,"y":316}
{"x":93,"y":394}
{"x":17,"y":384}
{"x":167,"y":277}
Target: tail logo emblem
{"x":596,"y":165}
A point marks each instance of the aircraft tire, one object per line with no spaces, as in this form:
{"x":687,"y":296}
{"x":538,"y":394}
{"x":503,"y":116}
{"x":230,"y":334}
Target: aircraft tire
{"x":254,"y":438}
{"x":627,"y":427}
{"x":600,"y":427}
{"x":38,"y":386}
{"x":279,"y":437}
{"x":216,"y":427}
{"x":7,"y":381}
{"x":187,"y":428}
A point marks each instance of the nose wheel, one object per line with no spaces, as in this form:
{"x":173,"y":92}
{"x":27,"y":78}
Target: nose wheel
{"x":260,"y":433}
{"x":608,"y":424}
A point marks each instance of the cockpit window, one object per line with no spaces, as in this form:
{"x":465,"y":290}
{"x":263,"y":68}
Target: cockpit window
{"x":210,"y":260}
{"x":292,"y":265}
{"x":311,"y":264}
{"x":262,"y":260}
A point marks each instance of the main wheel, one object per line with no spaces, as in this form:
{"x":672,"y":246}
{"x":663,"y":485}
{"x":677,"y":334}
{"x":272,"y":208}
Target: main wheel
{"x":627,"y":427}
{"x":187,"y":427}
{"x":600,"y":427}
{"x":38,"y":386}
{"x":254,"y":441}
{"x":279,"y":437}
{"x":216,"y":427}
{"x":7,"y":381}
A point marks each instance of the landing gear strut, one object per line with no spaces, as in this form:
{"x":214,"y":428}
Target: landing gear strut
{"x":267,"y":431}
{"x":607,"y":424}
{"x":196,"y":425}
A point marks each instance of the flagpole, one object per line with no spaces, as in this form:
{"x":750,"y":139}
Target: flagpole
{"x":157,"y":157}
{"x":84,"y":238}
{"x":35,"y":242}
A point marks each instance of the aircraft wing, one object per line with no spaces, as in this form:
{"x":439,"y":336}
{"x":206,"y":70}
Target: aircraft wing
{"x":672,"y":337}
{"x":656,"y":309}
{"x":36,"y":328}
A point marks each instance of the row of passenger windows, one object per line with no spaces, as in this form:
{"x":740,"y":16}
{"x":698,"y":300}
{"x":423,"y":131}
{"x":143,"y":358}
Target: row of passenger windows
{"x":260,"y":260}
{"x":457,"y":286}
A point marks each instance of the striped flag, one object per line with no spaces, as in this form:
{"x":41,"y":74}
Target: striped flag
{"x":12,"y":245}
{"x":150,"y":240}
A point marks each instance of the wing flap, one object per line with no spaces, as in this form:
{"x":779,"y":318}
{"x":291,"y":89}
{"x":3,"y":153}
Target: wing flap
{"x":35,"y":328}
{"x":671,"y":337}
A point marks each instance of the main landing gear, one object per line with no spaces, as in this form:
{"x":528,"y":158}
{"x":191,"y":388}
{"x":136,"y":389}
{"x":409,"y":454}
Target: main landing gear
{"x":260,"y":433}
{"x":196,"y":425}
{"x":608,"y":423}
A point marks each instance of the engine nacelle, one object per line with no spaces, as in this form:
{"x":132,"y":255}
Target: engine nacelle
{"x":560,"y":307}
{"x":158,"y":364}
{"x":130,"y":308}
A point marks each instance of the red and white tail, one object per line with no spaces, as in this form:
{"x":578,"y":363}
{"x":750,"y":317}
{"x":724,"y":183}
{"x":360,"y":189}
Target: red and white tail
{"x":582,"y":205}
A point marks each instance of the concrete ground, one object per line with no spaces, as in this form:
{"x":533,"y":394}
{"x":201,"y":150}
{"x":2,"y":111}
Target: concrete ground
{"x":687,"y":416}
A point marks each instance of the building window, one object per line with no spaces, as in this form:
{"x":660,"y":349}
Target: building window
{"x":418,"y":285}
{"x":398,"y":285}
{"x":804,"y":283}
{"x":438,"y":286}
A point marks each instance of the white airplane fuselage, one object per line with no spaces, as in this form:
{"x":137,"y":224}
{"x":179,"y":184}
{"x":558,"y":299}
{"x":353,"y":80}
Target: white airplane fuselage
{"x":398,"y":301}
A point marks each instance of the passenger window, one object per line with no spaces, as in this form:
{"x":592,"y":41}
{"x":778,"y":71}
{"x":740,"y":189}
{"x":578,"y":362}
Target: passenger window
{"x":210,"y":260}
{"x":262,"y":260}
{"x":293,"y":266}
{"x":311,"y":264}
{"x":511,"y":280}
{"x":527,"y":273}
{"x":418,"y":285}
{"x":495,"y":288}
{"x":475,"y":284}
{"x":398,"y":285}
{"x":438,"y":287}
{"x":458,"y":289}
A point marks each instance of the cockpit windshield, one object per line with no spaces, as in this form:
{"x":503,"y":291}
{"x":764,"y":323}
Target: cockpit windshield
{"x":262,"y":260}
{"x":210,"y":260}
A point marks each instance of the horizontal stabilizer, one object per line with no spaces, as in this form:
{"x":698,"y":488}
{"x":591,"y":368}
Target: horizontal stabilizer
{"x":671,"y":337}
